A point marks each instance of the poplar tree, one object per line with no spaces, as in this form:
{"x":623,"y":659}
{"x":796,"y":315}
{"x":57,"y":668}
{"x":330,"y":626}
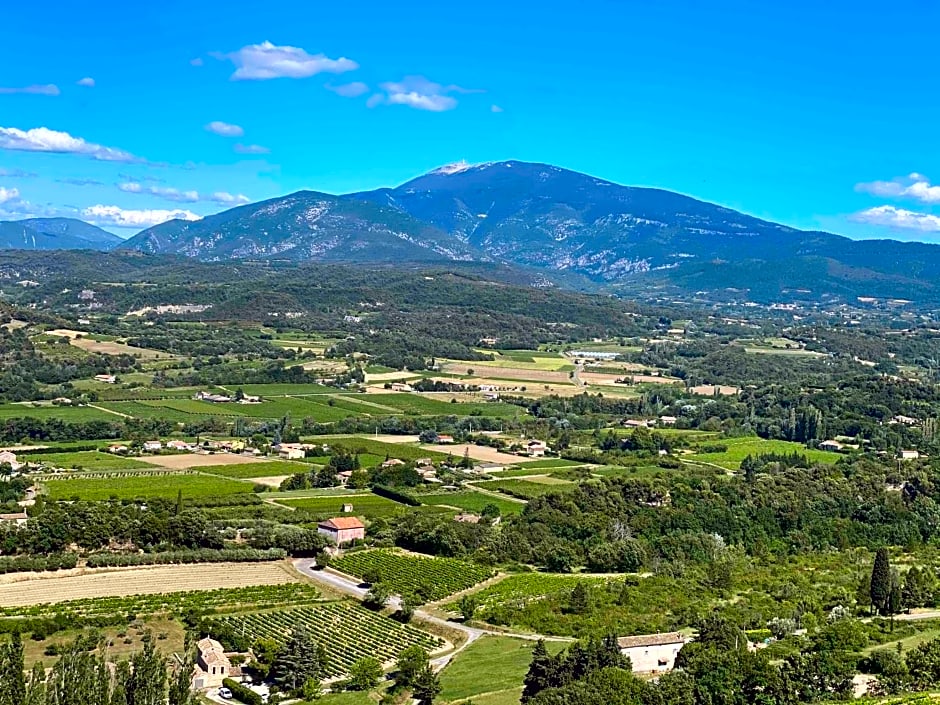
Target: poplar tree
{"x":881,"y":581}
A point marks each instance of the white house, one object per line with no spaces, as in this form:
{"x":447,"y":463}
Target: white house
{"x":19,"y":520}
{"x":536,"y":449}
{"x":107,"y":379}
{"x":834,"y":446}
{"x":9,"y":457}
{"x":908,"y":455}
{"x":291,"y":451}
{"x":153,"y":446}
{"x":652,"y":653}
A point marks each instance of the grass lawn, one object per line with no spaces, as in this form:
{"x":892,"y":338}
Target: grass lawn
{"x":351,"y":698}
{"x":87,"y":460}
{"x":366,"y":505}
{"x":492,"y":664}
{"x":740,"y":448}
{"x":471,"y":502}
{"x":244,"y":471}
{"x":132,"y":487}
{"x":552,"y":463}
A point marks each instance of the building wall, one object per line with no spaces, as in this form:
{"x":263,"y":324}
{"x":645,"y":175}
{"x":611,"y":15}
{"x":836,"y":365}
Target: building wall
{"x":650,"y":659}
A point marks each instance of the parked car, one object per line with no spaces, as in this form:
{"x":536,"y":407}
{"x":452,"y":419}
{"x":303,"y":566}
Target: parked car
{"x":225,"y":693}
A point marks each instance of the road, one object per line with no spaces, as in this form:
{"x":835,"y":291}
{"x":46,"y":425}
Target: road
{"x":351,"y":587}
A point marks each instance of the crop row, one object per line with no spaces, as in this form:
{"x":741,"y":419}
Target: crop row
{"x":408,"y":574}
{"x":348,"y":632}
{"x":222,"y":599}
{"x":524,"y":587}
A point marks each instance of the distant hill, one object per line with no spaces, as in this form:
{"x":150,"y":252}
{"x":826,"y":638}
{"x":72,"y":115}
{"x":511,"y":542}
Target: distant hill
{"x":559,"y":222}
{"x":55,"y":234}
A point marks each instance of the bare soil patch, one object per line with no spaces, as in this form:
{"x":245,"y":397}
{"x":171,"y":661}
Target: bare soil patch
{"x":46,"y":588}
{"x":482,"y":453}
{"x":184,"y":461}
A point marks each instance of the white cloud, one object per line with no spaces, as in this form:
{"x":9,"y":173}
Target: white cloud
{"x":9,"y":194}
{"x":87,"y":82}
{"x":178,"y":196}
{"x":47,"y":89}
{"x":899,"y":218}
{"x":81,"y":182}
{"x":196,"y":62}
{"x":117,"y":217}
{"x":228,"y":198}
{"x":225,"y":129}
{"x":419,"y":93}
{"x":495,"y":109}
{"x":259,"y":62}
{"x":914,"y":186}
{"x":349,"y":90}
{"x":251,"y":149}
{"x":18,"y":174}
{"x":42,"y":139}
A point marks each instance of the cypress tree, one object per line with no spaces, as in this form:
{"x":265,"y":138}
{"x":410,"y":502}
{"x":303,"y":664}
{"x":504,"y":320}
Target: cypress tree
{"x":541,"y":674}
{"x":881,"y":581}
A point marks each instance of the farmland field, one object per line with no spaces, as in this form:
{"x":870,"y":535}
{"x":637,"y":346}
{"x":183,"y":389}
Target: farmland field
{"x":49,"y":411}
{"x":140,"y":581}
{"x":740,"y":448}
{"x":352,"y":632}
{"x":223,"y":599}
{"x":243,"y":471}
{"x":364,"y":505}
{"x":131,"y":487}
{"x":471,"y":502}
{"x":87,"y":460}
{"x":526,"y":586}
{"x":440,"y":405}
{"x":526,"y":489}
{"x":407,"y":574}
{"x":183,"y":461}
{"x":364,"y":444}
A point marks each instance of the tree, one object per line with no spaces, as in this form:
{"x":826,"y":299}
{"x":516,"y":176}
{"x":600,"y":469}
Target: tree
{"x":541,"y":674}
{"x":923,"y":662}
{"x":377,"y":597}
{"x":181,"y":692}
{"x":407,"y":606}
{"x":880,"y":589}
{"x":426,"y":687}
{"x":299,"y":659}
{"x":11,"y":672}
{"x":148,"y":676}
{"x":579,"y":601}
{"x":468,"y":607}
{"x":411,"y":662}
{"x":364,"y":674}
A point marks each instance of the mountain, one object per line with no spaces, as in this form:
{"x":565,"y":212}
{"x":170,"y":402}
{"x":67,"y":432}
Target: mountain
{"x":556,"y":221}
{"x":55,"y":234}
{"x":306,"y":226}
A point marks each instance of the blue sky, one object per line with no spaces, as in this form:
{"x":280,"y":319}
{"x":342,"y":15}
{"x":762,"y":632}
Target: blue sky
{"x":818,"y":115}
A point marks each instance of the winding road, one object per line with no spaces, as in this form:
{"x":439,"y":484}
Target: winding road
{"x":351,"y":587}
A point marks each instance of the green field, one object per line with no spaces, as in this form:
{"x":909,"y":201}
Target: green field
{"x":365,"y":505}
{"x":527,"y":489}
{"x":740,"y":448}
{"x":471,"y":502}
{"x":74,"y":414}
{"x":493,"y":665}
{"x":523,"y":587}
{"x":551,"y":463}
{"x":87,"y":460}
{"x":411,"y":574}
{"x":245,"y":471}
{"x":364,"y":444}
{"x":133,"y":487}
{"x":440,"y":405}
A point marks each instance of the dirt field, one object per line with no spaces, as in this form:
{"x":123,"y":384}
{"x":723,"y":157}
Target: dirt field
{"x":44,"y":588}
{"x":106,"y":347}
{"x":389,"y":376}
{"x":709,"y":390}
{"x":504,"y":373}
{"x":273,"y":481}
{"x":482,"y":453}
{"x":185,"y":461}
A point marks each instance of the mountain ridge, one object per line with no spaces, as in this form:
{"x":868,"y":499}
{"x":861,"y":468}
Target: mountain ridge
{"x":55,"y":234}
{"x":550,"y":219}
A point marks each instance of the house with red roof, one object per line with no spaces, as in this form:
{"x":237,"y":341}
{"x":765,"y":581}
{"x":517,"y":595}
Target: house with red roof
{"x":342,"y":530}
